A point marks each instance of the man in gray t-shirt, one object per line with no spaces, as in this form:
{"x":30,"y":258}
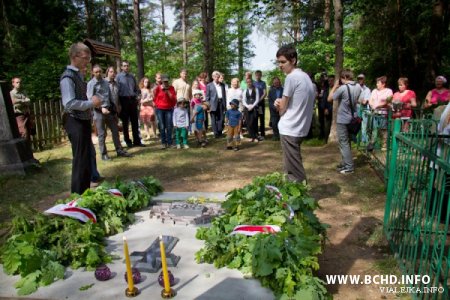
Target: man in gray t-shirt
{"x":347,"y":94}
{"x":296,"y":110}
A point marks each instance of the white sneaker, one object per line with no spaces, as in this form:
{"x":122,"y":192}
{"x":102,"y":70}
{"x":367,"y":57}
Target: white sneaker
{"x":186,"y":147}
{"x":178,"y":146}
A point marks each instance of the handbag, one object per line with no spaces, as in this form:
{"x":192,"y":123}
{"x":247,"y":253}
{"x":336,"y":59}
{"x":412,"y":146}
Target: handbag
{"x":355,"y":124}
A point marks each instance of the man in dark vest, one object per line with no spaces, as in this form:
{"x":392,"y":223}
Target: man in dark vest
{"x":77,"y":116}
{"x":250,"y":100}
{"x":216,"y":96}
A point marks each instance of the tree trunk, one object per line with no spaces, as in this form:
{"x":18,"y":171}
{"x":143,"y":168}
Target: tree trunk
{"x":115,"y":24}
{"x":240,"y":36}
{"x":211,"y":17}
{"x":88,"y":11}
{"x":163,"y":29}
{"x":400,"y":38}
{"x":138,"y":38}
{"x":208,"y":10}
{"x":326,"y":17}
{"x":435,"y":39}
{"x":339,"y":60}
{"x":183,"y":30}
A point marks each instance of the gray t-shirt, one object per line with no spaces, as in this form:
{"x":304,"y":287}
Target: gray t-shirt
{"x":365,"y":95}
{"x":344,"y":114}
{"x":298,"y":116}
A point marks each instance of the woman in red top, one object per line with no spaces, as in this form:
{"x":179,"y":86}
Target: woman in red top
{"x":438,"y":95}
{"x":408,"y":100}
{"x":165,"y":99}
{"x":405,"y":96}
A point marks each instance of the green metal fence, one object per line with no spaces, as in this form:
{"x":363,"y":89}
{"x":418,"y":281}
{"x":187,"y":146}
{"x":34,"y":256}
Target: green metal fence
{"x":416,"y":216}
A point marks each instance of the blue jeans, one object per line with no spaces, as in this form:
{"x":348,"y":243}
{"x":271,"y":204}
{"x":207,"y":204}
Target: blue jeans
{"x":165,"y":125}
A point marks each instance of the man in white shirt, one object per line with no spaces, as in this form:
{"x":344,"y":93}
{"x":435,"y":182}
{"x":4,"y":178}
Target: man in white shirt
{"x":296,"y":110}
{"x":216,"y":96}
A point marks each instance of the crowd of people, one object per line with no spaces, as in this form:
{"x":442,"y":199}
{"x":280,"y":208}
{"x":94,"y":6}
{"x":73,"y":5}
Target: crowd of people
{"x":182,"y":108}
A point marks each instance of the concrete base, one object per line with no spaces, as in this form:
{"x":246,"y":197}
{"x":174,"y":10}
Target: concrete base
{"x":15,"y":157}
{"x":193,"y":281}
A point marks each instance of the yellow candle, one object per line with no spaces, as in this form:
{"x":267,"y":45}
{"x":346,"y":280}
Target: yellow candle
{"x":164,"y":265}
{"x":128,"y":263}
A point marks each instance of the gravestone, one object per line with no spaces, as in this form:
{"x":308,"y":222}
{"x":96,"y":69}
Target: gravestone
{"x":15,"y":152}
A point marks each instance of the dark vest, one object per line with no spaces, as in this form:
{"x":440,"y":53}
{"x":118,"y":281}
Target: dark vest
{"x":80,"y":94}
{"x":251,"y":99}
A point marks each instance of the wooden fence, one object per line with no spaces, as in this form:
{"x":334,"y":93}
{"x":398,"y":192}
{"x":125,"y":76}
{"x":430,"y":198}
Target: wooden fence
{"x":47,"y":116}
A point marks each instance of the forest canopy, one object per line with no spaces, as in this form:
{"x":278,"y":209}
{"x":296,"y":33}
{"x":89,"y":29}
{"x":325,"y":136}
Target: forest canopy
{"x":392,"y":38}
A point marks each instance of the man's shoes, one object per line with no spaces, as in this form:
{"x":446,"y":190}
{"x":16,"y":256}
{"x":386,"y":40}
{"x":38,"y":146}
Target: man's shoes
{"x":139,"y":145}
{"x":236,"y":149}
{"x":186,"y":146}
{"x":346,"y":171}
{"x":178,"y":146}
{"x":105,"y":157}
{"x":96,"y":182}
{"x":123,"y":153}
{"x":229,"y":148}
{"x":163,"y":147}
{"x":129,"y":144}
{"x":260,"y":138}
{"x":340,"y":167}
{"x":203,"y":144}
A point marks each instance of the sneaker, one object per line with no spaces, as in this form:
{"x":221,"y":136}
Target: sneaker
{"x":203,"y":144}
{"x":229,"y":148}
{"x":236,"y":149}
{"x":105,"y":157}
{"x":260,"y":138}
{"x":186,"y":146}
{"x":163,"y":147}
{"x":139,"y":145}
{"x":346,"y":171}
{"x":340,"y":167}
{"x":178,"y":146}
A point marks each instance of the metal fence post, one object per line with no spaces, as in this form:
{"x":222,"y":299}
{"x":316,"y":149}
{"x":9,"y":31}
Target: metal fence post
{"x":392,"y":171}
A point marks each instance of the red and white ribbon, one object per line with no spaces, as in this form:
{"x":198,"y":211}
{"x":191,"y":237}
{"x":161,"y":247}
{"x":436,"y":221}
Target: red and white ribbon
{"x":251,"y":230}
{"x":279,"y":196}
{"x":115,"y":192}
{"x":79,"y":213}
{"x":275,"y":190}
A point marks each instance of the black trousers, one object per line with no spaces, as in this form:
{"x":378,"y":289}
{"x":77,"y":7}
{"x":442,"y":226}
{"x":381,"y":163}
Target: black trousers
{"x":129,"y":113}
{"x":274,"y":119}
{"x":217,"y":120}
{"x":252,"y":122}
{"x":262,"y":119}
{"x":79,"y":132}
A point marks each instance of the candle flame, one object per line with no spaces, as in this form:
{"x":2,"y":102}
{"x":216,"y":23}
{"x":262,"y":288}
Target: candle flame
{"x":160,"y":237}
{"x":124,"y":238}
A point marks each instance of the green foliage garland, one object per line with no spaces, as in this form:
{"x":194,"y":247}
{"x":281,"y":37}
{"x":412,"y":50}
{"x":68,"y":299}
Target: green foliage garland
{"x":284,"y":261}
{"x":40,"y":247}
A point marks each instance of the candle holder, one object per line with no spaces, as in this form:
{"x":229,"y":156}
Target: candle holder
{"x":132,"y":293}
{"x":161,"y":279}
{"x":170,"y":294}
{"x":102,"y":273}
{"x":136,"y":276}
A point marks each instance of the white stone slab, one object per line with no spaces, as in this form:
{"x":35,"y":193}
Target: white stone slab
{"x":196,"y":281}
